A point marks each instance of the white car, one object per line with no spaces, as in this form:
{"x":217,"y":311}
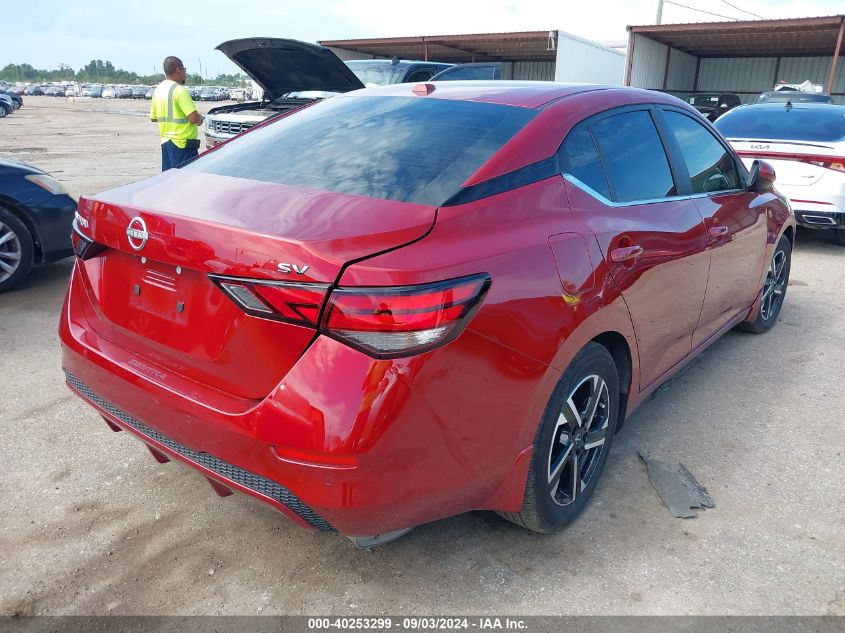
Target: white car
{"x":805,"y":143}
{"x":109,"y":92}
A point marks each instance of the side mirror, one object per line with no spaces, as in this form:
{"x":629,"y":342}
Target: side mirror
{"x":762,"y":176}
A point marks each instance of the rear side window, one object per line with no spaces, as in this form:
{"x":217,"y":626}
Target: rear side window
{"x":825,"y":123}
{"x":408,"y":149}
{"x":634,"y":156}
{"x":579,"y":158}
{"x":710,"y":166}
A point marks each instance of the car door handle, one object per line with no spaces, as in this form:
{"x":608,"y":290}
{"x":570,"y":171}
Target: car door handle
{"x":626,"y":254}
{"x":718,"y":231}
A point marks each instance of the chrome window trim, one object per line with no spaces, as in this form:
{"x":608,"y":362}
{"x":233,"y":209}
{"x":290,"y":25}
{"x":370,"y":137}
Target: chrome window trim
{"x":610,"y":203}
{"x":721,"y":192}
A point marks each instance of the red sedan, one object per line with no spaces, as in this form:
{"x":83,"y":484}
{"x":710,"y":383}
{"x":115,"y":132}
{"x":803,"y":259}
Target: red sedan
{"x":405,"y":303}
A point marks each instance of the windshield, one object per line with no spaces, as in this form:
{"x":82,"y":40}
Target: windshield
{"x":808,"y":123}
{"x":703,"y":100}
{"x":397,"y":148}
{"x":377,"y":73}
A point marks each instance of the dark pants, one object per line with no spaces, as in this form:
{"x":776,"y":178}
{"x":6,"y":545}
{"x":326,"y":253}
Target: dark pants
{"x":173,"y":156}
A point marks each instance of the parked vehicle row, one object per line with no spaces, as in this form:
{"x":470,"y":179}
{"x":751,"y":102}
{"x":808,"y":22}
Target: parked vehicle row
{"x":111,"y":91}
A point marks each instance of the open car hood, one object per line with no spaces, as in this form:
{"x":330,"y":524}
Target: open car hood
{"x":282,"y":66}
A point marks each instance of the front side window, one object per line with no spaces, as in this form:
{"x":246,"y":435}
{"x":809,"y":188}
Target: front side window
{"x":709,"y":164}
{"x":634,"y":156}
{"x":579,"y":158}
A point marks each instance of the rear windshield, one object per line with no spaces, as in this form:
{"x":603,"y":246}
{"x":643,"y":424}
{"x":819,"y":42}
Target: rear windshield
{"x":409,"y":149}
{"x":820,"y":123}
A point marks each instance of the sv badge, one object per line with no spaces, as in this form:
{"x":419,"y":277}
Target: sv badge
{"x":293,"y":268}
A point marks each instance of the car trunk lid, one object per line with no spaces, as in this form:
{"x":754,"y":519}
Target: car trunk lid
{"x":791,"y":159}
{"x":170,"y":237}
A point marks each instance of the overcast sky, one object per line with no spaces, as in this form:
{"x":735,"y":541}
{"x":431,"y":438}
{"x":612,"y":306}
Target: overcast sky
{"x":138,"y":35}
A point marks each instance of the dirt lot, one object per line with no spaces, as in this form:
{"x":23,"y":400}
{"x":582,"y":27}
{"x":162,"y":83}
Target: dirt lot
{"x":92,"y":525}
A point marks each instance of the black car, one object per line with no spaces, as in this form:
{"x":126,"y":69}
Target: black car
{"x":17,"y":100}
{"x":713,"y":104}
{"x":793,"y":96}
{"x":36,"y":214}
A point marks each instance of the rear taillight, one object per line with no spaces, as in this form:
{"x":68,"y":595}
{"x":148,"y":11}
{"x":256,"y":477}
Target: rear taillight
{"x":281,"y":301}
{"x":828,"y":162}
{"x":83,"y":246}
{"x":389,"y":322}
{"x":382,"y":322}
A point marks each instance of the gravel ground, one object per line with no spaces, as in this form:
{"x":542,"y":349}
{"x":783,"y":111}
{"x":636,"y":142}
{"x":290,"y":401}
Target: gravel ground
{"x":92,"y":525}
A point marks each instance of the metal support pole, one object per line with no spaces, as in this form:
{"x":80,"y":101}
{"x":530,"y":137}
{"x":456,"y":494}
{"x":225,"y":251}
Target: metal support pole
{"x":659,"y":12}
{"x":832,"y":76}
{"x":629,"y":65}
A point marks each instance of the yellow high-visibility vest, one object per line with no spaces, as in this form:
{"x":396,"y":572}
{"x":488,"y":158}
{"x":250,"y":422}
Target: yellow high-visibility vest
{"x":171,"y":106}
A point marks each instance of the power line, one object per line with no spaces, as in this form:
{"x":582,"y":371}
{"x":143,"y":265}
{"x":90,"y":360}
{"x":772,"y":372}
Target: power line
{"x":742,"y":10}
{"x":718,"y":15}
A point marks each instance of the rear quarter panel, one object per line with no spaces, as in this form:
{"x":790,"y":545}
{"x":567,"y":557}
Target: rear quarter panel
{"x":531,"y":326}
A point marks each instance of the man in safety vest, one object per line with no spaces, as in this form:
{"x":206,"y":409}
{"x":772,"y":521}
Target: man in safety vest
{"x":177,"y":117}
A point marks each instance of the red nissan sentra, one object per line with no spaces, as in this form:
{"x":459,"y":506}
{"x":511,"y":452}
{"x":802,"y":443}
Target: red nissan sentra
{"x":405,"y":303}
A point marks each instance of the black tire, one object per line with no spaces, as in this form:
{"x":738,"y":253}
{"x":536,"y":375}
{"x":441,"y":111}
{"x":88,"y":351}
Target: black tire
{"x":4,"y":110}
{"x":549,"y":507}
{"x":778,"y":277}
{"x":839,"y":237}
{"x":16,"y":252}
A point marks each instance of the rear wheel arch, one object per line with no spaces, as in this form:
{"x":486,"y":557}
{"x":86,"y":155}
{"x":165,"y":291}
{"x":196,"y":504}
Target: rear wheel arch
{"x":618,"y":347}
{"x":789,"y":232}
{"x":594,"y":365}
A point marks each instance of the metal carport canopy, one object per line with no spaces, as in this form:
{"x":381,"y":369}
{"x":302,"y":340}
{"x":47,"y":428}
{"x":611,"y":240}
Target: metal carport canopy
{"x":799,"y":37}
{"x":505,"y":47}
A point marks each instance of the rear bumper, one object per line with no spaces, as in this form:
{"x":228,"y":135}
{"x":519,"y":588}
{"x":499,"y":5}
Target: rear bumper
{"x":229,"y":474}
{"x":344,"y":442}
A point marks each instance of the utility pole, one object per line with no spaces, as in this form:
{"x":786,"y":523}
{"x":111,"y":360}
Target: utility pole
{"x":659,"y":11}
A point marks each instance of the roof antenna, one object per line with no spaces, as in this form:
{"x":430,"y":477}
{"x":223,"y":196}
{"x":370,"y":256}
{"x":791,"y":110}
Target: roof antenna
{"x":394,"y":61}
{"x":788,"y":105}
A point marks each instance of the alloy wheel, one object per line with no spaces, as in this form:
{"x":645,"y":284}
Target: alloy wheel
{"x":10,"y":252}
{"x":578,"y":440}
{"x":774,"y":286}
